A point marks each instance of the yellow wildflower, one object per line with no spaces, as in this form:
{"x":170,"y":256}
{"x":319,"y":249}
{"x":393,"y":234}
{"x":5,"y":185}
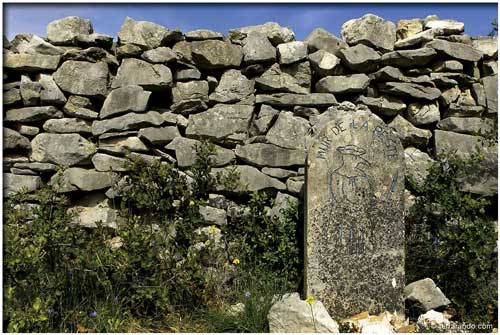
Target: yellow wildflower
{"x":191,"y":203}
{"x":236,"y":261}
{"x":310,"y":299}
{"x":212,"y":229}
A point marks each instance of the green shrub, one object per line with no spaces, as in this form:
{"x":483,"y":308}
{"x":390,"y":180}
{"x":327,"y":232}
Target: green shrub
{"x":451,"y":239}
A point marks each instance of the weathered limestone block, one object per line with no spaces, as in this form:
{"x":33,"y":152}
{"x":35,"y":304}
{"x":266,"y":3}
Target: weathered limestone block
{"x":354,"y":216}
{"x":258,"y":49}
{"x":146,"y":35}
{"x":80,"y":107}
{"x":250,"y":180}
{"x":324,"y":63}
{"x":220,"y":122}
{"x":370,"y":30}
{"x":263,"y":154}
{"x":83,"y":78}
{"x":385,"y":105}
{"x":425,"y":294}
{"x":469,"y":125}
{"x":233,"y":88}
{"x":68,"y":125}
{"x":32,"y":44}
{"x":417,"y":163}
{"x":159,"y":136}
{"x":66,"y":30}
{"x":351,"y":83}
{"x":159,"y":55}
{"x":127,"y":122}
{"x":288,"y":131}
{"x":291,"y":99}
{"x":14,"y":140}
{"x":408,"y":58}
{"x":213,"y":54}
{"x":409,"y":134}
{"x":446,"y":27}
{"x":152,"y":77}
{"x":320,"y":39}
{"x":274,"y":32}
{"x":74,"y":179}
{"x":104,"y":162}
{"x":275,"y":80}
{"x":455,"y":50}
{"x":186,"y":155}
{"x":408,"y":28}
{"x":30,"y":62}
{"x":290,"y":314}
{"x":292,"y":52}
{"x":125,"y":99}
{"x":422,"y":114}
{"x":61,"y":149}
{"x":360,"y":58}
{"x":13,"y":183}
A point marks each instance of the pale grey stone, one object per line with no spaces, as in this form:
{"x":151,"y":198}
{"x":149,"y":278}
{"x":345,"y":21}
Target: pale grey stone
{"x":263,"y":154}
{"x":408,"y":28}
{"x":121,"y":145}
{"x":61,"y":149}
{"x":489,"y":68}
{"x":300,"y":71}
{"x":417,"y":39}
{"x":288,"y":131}
{"x":433,"y":321}
{"x":14,"y":140}
{"x":250,"y":179}
{"x":13,"y":183}
{"x":233,"y":88}
{"x":36,"y":166}
{"x":295,"y":185}
{"x":73,"y":179}
{"x":355,"y":145}
{"x":125,"y":99}
{"x":417,"y":165}
{"x":50,"y":93}
{"x":292,"y":315}
{"x":185,"y":152}
{"x":33,"y":114}
{"x":32,"y":44}
{"x":219,"y":122}
{"x":159,"y":136}
{"x":343,"y":84}
{"x":461,"y":110}
{"x":187,"y":75}
{"x":152,"y":77}
{"x":274,"y":80}
{"x":278,"y":173}
{"x":409,"y":134}
{"x":292,"y":100}
{"x":447,"y":66}
{"x":477,"y":91}
{"x":274,"y":32}
{"x":455,"y":50}
{"x":360,"y":58}
{"x":147,"y":35}
{"x":213,"y":54}
{"x":426,"y":295}
{"x":324,"y":63}
{"x":387,"y":73}
{"x":203,"y":34}
{"x":103,"y":162}
{"x":370,"y":30}
{"x":448,"y":96}
{"x":258,"y":49}
{"x":490,"y":85}
{"x":320,"y":39}
{"x":11,"y":96}
{"x":469,"y":125}
{"x":159,"y":55}
{"x":90,"y":216}
{"x":30,"y":91}
{"x":411,"y":90}
{"x":68,"y":125}
{"x":408,"y":58}
{"x":190,"y":97}
{"x":448,"y":27}
{"x":384,"y":105}
{"x":128,"y":121}
{"x":128,"y":50}
{"x":66,"y":30}
{"x":23,"y":172}
{"x":27,"y":130}
{"x":488,"y":46}
{"x":83,"y":78}
{"x":423,"y":113}
{"x":30,"y":62}
{"x":212,"y":215}
{"x":291,"y":52}
{"x":80,"y":107}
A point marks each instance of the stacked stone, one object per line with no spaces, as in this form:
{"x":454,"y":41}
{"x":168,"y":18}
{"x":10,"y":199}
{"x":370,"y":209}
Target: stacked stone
{"x":77,"y":100}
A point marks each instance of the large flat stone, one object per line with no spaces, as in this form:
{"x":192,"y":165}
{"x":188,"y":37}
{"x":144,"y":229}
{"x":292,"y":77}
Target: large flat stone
{"x":147,"y":35}
{"x":455,"y":50}
{"x":127,"y":122}
{"x":409,"y":58}
{"x":288,"y":131}
{"x":13,"y":183}
{"x":292,"y":100}
{"x":220,"y":122}
{"x":186,"y":155}
{"x":33,"y":114}
{"x":263,"y":154}
{"x":152,"y":77}
{"x":343,"y":84}
{"x":250,"y":180}
{"x":213,"y":54}
{"x":61,"y":149}
{"x":125,"y":99}
{"x":30,"y":62}
{"x":411,"y":90}
{"x":370,"y":30}
{"x":83,"y":78}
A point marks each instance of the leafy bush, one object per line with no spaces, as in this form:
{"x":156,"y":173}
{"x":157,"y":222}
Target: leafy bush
{"x":451,"y":239}
{"x":162,"y":259}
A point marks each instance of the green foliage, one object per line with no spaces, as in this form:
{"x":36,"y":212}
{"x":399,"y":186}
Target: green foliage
{"x":162,"y":260}
{"x":451,"y":239}
{"x":270,"y":244}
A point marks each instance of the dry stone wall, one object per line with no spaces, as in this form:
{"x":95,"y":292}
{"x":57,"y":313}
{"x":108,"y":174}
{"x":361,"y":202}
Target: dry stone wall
{"x":80,"y":100}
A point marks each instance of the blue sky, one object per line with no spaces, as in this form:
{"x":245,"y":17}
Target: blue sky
{"x":302,"y":18}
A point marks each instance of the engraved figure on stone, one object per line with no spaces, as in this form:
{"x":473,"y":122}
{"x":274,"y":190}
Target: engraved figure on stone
{"x":350,"y":181}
